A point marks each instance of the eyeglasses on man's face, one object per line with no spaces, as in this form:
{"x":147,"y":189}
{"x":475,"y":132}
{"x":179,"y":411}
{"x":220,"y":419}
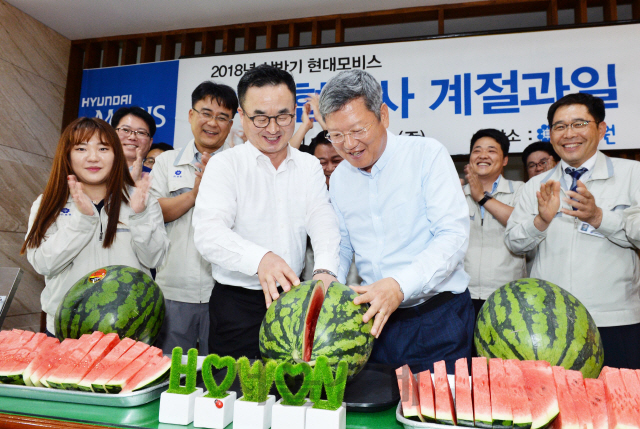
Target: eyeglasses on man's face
{"x":207,"y":116}
{"x":128,"y":131}
{"x":262,"y":121}
{"x":575,"y":125}
{"x":540,"y":164}
{"x":338,"y":138}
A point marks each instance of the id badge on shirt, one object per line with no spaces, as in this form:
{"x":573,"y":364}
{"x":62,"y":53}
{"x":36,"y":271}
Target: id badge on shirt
{"x":588,"y":229}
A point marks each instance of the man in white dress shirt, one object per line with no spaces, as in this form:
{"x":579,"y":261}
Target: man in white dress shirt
{"x":256,"y":205}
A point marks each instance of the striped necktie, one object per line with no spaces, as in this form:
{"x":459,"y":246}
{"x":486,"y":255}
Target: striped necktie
{"x":575,"y":173}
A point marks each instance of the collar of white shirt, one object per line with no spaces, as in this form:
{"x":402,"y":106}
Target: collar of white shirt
{"x":389,"y":150}
{"x":292,"y":155}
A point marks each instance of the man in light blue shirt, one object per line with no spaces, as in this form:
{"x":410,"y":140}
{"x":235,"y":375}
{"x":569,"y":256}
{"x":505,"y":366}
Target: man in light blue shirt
{"x":401,"y":211}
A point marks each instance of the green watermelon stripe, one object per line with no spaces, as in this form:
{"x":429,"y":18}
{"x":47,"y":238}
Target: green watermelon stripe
{"x":529,"y":323}
{"x":493,"y":317}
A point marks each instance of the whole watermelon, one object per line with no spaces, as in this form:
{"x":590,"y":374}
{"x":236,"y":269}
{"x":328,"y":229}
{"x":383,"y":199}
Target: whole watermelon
{"x":116,"y":299}
{"x":305,"y":323}
{"x":536,"y":320}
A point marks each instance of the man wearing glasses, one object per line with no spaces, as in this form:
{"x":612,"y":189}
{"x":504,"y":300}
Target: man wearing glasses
{"x":401,"y":211}
{"x":539,"y":157}
{"x":135,"y":127}
{"x":257,"y":204}
{"x":185,"y":278}
{"x":573,"y":216}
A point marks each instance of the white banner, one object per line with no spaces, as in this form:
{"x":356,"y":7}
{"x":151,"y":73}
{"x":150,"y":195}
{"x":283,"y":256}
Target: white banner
{"x":450,"y":88}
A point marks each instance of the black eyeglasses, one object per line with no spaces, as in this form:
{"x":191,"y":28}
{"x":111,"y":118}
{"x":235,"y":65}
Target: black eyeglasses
{"x":127,"y":132}
{"x":262,"y":121}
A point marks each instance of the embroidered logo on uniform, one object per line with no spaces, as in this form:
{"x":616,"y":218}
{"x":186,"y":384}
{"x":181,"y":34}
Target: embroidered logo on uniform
{"x":97,"y":276}
{"x":178,"y":173}
{"x":65,"y":212}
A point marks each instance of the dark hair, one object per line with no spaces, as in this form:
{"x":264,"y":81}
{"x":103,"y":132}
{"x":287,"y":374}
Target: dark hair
{"x":539,"y":146}
{"x":264,"y":75}
{"x":594,"y":105}
{"x":135,"y":111}
{"x":161,"y":146}
{"x":224,"y":95}
{"x":320,"y":138}
{"x":56,"y":192}
{"x":497,"y":135}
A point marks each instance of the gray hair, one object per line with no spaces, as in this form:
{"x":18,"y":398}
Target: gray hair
{"x":347,"y":86}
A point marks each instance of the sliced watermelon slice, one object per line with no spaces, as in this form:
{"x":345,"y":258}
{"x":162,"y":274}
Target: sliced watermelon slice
{"x":597,"y":402}
{"x":519,"y":401}
{"x":568,"y":417}
{"x":632,"y":384}
{"x":116,"y":384}
{"x":620,"y":409}
{"x":445,"y":411}
{"x":85,"y":343}
{"x":122,"y":362}
{"x":13,"y":345}
{"x":97,"y":353}
{"x":426,"y":396}
{"x":155,"y":372}
{"x":52,"y":361}
{"x":20,"y":358}
{"x":464,"y":403}
{"x":575,"y":381}
{"x":500,"y":404}
{"x":42,"y":357}
{"x":604,"y":371}
{"x":105,"y":363}
{"x":481,"y":393}
{"x":408,"y":393}
{"x":541,"y":391}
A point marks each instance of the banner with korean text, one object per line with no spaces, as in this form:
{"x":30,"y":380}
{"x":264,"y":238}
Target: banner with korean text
{"x":449,"y":88}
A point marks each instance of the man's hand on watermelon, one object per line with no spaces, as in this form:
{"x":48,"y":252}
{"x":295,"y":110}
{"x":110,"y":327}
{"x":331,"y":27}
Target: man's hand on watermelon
{"x":81,"y":200}
{"x":384,"y":297}
{"x":585,"y":204}
{"x":138,"y":201}
{"x":326,"y":280}
{"x":548,"y":204}
{"x":274,"y":269}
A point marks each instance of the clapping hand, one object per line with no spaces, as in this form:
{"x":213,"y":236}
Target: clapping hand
{"x":477,"y":191}
{"x":548,"y":203}
{"x":136,"y":168}
{"x":81,"y":200}
{"x":138,"y":201}
{"x":585,"y":204}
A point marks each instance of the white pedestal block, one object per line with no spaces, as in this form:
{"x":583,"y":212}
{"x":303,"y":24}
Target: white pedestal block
{"x":327,"y":419}
{"x":178,"y":409}
{"x":253,"y":415}
{"x":214,"y":413}
{"x":289,"y":416}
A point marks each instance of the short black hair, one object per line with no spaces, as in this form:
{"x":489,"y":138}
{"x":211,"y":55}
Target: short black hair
{"x":539,"y":146}
{"x":161,"y":146}
{"x":224,"y":95}
{"x":595,"y":105}
{"x":320,"y":138}
{"x":136,"y":111}
{"x":264,"y":75}
{"x":497,"y":135}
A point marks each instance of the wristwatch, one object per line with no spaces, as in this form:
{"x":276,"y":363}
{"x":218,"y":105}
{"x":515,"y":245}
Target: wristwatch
{"x":323,"y":271}
{"x":487,"y":197}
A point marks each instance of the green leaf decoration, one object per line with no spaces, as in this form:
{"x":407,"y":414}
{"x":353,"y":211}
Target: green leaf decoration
{"x":215,"y":391}
{"x":323,"y":376}
{"x":177,"y":369}
{"x":288,"y":398}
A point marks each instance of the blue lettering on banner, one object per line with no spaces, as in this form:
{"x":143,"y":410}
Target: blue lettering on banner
{"x":457,"y":90}
{"x":611,"y":131}
{"x":151,"y":86}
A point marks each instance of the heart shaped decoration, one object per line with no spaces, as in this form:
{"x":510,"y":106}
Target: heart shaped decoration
{"x":288,"y":398}
{"x":215,"y":390}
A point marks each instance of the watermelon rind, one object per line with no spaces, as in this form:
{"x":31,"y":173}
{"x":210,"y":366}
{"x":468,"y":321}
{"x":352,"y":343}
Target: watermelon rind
{"x":532,"y":319}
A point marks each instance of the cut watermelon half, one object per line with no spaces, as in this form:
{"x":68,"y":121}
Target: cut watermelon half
{"x":105,"y":363}
{"x":541,"y":391}
{"x":575,"y":381}
{"x":117,"y":383}
{"x":155,"y":372}
{"x":445,"y":410}
{"x":519,"y":401}
{"x":129,"y":356}
{"x":481,"y":393}
{"x":620,"y":409}
{"x":568,"y":417}
{"x":464,"y":403}
{"x":408,"y":393}
{"x":500,"y":403}
{"x":597,"y":402}
{"x":97,"y":353}
{"x":426,"y":396}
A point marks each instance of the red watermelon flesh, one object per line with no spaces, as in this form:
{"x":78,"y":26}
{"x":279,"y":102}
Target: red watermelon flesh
{"x":6,"y":337}
{"x":13,"y":345}
{"x":464,"y":403}
{"x":311,"y":320}
{"x":117,"y":382}
{"x":519,"y":402}
{"x":408,"y":393}
{"x":19,"y":357}
{"x":445,"y":411}
{"x":13,"y":375}
{"x":124,"y":360}
{"x":85,"y":343}
{"x":541,"y":391}
{"x":43,"y":355}
{"x":597,"y":402}
{"x":151,"y":374}
{"x":620,"y":409}
{"x":568,"y":417}
{"x":575,"y":381}
{"x":105,"y":363}
{"x":481,"y":393}
{"x":604,"y":371}
{"x":426,"y":396}
{"x":632,"y":385}
{"x":52,"y":361}
{"x":500,"y":403}
{"x":97,"y":353}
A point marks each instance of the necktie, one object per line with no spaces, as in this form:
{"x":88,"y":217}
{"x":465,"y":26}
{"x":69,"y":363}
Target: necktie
{"x":575,"y":173}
